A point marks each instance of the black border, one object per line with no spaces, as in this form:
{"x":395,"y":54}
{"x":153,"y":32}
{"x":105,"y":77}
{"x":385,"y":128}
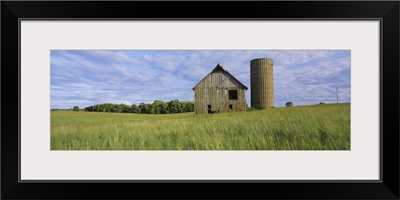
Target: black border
{"x":386,"y":11}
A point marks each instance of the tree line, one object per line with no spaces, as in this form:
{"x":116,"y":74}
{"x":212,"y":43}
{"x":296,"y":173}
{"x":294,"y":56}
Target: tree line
{"x":157,"y":107}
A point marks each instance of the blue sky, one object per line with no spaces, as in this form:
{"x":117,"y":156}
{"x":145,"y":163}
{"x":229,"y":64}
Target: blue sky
{"x":88,"y":77}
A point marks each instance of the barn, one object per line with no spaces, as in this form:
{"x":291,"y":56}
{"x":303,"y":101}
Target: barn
{"x":219,"y":92}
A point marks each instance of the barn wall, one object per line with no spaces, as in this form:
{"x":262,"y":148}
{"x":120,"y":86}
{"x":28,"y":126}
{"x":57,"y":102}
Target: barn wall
{"x":214,"y":90}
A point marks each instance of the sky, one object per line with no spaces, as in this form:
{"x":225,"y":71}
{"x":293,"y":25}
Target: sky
{"x":89,"y":77}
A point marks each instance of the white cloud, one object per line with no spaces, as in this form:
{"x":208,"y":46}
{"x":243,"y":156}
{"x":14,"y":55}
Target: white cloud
{"x":93,"y":77}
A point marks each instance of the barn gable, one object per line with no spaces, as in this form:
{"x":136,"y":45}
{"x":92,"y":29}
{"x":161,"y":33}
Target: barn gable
{"x":218,"y":69}
{"x":219,"y":91}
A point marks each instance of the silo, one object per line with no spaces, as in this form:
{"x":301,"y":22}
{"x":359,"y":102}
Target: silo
{"x":262,"y":83}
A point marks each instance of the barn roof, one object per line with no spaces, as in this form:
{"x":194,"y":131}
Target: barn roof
{"x":219,"y":68}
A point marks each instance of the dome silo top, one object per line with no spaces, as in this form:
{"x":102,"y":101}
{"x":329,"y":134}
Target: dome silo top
{"x":260,"y":59}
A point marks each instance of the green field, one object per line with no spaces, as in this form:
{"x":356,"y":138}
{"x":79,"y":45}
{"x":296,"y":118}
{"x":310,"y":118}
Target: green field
{"x":318,"y":127}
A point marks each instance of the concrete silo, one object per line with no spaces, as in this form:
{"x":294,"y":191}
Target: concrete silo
{"x":262,"y":83}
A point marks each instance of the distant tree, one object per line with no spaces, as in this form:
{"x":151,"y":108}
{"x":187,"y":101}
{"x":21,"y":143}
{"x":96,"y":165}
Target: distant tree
{"x":76,"y":108}
{"x":187,"y":106}
{"x":134,"y":108}
{"x":289,"y":104}
{"x":164,"y":108}
{"x":157,"y":107}
{"x":175,"y":106}
{"x":143,"y":107}
{"x":151,"y":109}
{"x":125,"y":108}
{"x":321,"y":102}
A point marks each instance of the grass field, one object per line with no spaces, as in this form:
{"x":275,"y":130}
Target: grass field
{"x":318,"y":127}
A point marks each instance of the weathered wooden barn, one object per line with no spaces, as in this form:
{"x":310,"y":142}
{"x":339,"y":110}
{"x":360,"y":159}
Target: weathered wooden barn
{"x":219,"y":92}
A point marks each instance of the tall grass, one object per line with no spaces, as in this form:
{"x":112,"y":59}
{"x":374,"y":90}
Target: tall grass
{"x":319,"y":127}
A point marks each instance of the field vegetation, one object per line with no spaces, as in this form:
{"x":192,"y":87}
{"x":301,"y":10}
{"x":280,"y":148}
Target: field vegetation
{"x":317,"y":127}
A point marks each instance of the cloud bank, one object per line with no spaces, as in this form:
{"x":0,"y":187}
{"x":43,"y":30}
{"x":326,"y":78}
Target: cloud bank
{"x":84,"y":78}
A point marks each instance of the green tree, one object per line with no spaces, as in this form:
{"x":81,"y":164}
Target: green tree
{"x":157,"y":106}
{"x":76,"y":108}
{"x":126,"y":108}
{"x":187,"y":106}
{"x":134,"y":108}
{"x":164,"y":108}
{"x":143,"y":107}
{"x":289,"y":104}
{"x":174,"y":106}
